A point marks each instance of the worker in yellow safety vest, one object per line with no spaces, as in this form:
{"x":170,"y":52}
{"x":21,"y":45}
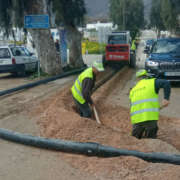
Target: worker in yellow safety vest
{"x":145,"y":105}
{"x":133,"y":45}
{"x":82,"y":88}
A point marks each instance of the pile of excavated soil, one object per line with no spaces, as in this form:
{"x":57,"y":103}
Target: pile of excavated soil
{"x":58,"y":119}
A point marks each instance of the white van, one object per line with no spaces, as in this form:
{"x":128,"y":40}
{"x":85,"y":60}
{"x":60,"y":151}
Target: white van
{"x":17,"y":60}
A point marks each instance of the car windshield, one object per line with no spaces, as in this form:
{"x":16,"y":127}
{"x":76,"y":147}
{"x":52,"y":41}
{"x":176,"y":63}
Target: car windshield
{"x":117,"y":39}
{"x":22,"y":51}
{"x":166,"y":46}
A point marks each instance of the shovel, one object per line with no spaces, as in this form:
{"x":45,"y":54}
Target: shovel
{"x":96,"y":115}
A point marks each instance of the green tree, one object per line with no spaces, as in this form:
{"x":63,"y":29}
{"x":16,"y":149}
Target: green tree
{"x":164,"y":14}
{"x":135,"y":16}
{"x":116,"y":13}
{"x":128,"y":15}
{"x":5,"y":16}
{"x":176,"y":11}
{"x":176,"y":4}
{"x":155,"y":16}
{"x":70,"y":14}
{"x":12,"y":14}
{"x":67,"y":12}
{"x":168,"y":15}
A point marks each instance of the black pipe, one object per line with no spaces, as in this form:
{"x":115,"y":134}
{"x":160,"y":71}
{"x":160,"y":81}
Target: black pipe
{"x":89,"y":148}
{"x":43,"y":81}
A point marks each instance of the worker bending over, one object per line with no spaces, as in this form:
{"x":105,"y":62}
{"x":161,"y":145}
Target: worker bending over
{"x":82,"y":88}
{"x":145,"y":104}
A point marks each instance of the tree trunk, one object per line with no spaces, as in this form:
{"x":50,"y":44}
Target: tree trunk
{"x":74,"y":38}
{"x":44,"y":44}
{"x":158,"y":33}
{"x":49,"y":59}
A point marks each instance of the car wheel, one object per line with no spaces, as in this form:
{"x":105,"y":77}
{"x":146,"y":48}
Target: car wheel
{"x":105,"y":63}
{"x":15,"y":74}
{"x":132,"y":63}
{"x":22,"y":71}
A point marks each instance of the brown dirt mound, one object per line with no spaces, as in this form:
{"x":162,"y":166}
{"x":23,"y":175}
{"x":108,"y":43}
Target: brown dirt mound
{"x":57,"y":119}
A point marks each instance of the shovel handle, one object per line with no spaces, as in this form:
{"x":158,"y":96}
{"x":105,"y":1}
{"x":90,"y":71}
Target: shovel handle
{"x":96,"y":115}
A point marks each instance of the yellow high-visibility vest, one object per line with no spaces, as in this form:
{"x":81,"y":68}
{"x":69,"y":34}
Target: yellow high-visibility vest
{"x":144,"y":102}
{"x":83,"y":44}
{"x":133,"y":46}
{"x":77,"y":86}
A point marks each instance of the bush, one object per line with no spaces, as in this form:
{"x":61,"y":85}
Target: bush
{"x":35,"y":75}
{"x":18,"y":43}
{"x":94,"y":47}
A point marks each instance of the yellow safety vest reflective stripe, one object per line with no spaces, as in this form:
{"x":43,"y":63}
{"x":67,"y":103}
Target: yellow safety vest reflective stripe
{"x":144,"y":102}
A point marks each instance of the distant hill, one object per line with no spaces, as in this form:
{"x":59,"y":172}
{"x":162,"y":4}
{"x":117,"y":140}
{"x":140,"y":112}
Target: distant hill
{"x":97,"y":8}
{"x":100,"y":9}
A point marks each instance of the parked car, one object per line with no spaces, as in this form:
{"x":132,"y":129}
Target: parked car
{"x":164,"y":59}
{"x":17,"y":60}
{"x":148,"y":45}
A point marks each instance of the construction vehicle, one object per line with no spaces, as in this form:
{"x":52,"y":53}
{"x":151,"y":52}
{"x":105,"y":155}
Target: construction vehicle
{"x":118,"y":49}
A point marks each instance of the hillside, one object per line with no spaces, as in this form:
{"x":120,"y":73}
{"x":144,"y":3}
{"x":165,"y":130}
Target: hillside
{"x":100,"y":9}
{"x":97,"y":8}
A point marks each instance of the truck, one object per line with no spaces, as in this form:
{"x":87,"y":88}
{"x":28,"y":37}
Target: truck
{"x":118,"y":49}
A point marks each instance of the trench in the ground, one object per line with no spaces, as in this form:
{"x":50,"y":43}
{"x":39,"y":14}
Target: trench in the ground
{"x":58,"y":119}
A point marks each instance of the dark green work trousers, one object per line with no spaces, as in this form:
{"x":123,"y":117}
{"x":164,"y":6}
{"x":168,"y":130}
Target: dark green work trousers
{"x":83,"y":109}
{"x":147,"y":129}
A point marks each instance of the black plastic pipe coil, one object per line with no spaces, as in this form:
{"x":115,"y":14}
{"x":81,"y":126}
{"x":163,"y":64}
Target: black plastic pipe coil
{"x":89,"y":148}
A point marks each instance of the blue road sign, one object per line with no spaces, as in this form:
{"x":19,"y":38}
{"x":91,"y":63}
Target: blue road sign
{"x":36,"y":21}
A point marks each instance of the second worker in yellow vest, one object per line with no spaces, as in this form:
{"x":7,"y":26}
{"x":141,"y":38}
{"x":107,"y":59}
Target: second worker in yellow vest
{"x":133,"y":45}
{"x":145,"y":106}
{"x":82,"y":88}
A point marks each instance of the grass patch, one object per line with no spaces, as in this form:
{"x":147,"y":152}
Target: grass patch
{"x":35,"y":75}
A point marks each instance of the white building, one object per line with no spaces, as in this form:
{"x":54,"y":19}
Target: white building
{"x":98,"y":25}
{"x":98,"y":31}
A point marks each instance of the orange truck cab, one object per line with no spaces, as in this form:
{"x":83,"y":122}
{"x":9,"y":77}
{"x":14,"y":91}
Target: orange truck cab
{"x":118,"y":48}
